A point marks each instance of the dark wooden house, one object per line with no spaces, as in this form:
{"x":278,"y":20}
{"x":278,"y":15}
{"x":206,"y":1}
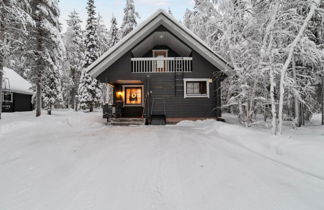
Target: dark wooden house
{"x":16,"y":92}
{"x":162,"y":69}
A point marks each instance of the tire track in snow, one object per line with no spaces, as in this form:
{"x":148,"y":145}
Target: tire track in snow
{"x":296,"y":169}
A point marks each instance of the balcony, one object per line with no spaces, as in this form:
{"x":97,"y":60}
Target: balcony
{"x":161,"y":65}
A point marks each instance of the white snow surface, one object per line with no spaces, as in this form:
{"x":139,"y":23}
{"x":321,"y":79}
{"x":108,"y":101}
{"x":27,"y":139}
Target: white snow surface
{"x":16,"y":84}
{"x":73,"y":161}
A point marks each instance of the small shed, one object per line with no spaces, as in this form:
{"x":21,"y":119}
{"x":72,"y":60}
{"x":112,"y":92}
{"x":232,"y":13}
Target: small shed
{"x":16,"y":92}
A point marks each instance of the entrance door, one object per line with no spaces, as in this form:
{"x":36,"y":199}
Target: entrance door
{"x":161,"y":65}
{"x":133,"y":100}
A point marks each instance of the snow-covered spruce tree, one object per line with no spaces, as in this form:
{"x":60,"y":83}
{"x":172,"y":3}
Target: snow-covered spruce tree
{"x":75,"y":51}
{"x":103,"y":36}
{"x":14,"y":18}
{"x":91,"y":35}
{"x":47,"y":50}
{"x":89,"y":92}
{"x":52,"y":91}
{"x":113,"y":32}
{"x":129,"y":20}
{"x":89,"y":88}
{"x":67,"y":85}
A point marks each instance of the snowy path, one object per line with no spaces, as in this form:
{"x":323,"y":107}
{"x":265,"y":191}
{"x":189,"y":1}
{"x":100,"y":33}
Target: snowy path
{"x":72,"y":161}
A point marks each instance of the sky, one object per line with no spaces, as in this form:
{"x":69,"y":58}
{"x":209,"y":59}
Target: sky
{"x":106,"y":8}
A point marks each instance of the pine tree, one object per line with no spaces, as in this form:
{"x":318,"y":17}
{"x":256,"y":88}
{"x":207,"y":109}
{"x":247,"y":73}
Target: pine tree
{"x":75,"y":49}
{"x":89,"y":92}
{"x":14,"y":18}
{"x":103,"y":36}
{"x":52,"y":92}
{"x":91,"y":39}
{"x":47,"y":49}
{"x":89,"y":88}
{"x":113,"y":33}
{"x":129,"y":20}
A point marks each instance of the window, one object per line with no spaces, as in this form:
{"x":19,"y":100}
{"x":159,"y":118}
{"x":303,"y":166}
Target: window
{"x":160,"y":53}
{"x":133,"y":96}
{"x":195,"y":88}
{"x":7,"y":97}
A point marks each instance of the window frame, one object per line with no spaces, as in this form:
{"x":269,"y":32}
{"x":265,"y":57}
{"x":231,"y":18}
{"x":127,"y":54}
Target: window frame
{"x":207,"y":95}
{"x":3,"y":98}
{"x":124,"y":98}
{"x":161,"y":50}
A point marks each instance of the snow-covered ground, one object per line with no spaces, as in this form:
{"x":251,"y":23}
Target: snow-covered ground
{"x":73,"y":161}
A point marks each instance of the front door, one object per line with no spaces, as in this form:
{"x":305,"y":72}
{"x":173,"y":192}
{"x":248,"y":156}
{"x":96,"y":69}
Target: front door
{"x":161,"y":65}
{"x":133,"y":103}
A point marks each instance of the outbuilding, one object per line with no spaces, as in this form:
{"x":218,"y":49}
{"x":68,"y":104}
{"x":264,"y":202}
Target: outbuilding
{"x":16,"y":92}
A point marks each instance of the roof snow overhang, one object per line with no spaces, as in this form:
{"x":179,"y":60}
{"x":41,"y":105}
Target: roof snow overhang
{"x":159,"y":18}
{"x":13,"y":82}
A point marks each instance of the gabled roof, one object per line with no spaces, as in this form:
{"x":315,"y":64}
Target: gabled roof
{"x":13,"y":82}
{"x":163,"y":18}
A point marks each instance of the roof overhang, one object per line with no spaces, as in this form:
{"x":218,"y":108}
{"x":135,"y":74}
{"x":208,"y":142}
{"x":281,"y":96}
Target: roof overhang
{"x":160,"y":18}
{"x":161,"y":38}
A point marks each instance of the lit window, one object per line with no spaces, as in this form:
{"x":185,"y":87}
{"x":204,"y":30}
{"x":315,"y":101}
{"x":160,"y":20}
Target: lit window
{"x":196,"y":88}
{"x":133,"y":96}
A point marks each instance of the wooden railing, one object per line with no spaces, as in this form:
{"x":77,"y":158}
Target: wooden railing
{"x":161,"y":65}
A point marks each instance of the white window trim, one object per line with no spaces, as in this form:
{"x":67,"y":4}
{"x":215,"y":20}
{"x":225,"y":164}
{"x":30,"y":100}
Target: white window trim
{"x":124,"y":99}
{"x":196,"y":80}
{"x":11,"y":101}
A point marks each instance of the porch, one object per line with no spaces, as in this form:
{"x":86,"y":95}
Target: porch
{"x":130,"y":103}
{"x":161,"y":65}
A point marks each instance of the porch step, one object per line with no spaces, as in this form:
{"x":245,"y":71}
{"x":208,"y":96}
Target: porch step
{"x":127,"y":121}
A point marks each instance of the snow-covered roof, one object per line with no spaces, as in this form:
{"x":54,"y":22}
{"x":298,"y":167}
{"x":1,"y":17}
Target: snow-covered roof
{"x":17,"y":84}
{"x":163,"y":18}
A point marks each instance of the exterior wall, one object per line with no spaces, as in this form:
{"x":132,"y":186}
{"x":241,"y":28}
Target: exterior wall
{"x":163,"y":88}
{"x":21,"y":103}
{"x":171,"y":53}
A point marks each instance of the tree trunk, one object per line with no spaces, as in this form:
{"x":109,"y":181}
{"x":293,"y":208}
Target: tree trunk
{"x":2,"y":37}
{"x":38,"y":99}
{"x":322,"y":99}
{"x":297,"y":121}
{"x":49,"y":110}
{"x":1,"y":77}
{"x":251,"y":110}
{"x":273,"y":103}
{"x":39,"y":65}
{"x":91,"y":107}
{"x":72,"y":101}
{"x":289,"y":58}
{"x":76,"y":102}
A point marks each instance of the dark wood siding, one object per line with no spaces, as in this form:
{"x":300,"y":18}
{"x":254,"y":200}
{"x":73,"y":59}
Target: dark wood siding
{"x":22,"y":102}
{"x":163,"y":88}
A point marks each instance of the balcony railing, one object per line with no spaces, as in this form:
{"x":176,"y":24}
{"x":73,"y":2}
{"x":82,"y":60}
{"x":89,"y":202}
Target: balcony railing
{"x":161,"y":65}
